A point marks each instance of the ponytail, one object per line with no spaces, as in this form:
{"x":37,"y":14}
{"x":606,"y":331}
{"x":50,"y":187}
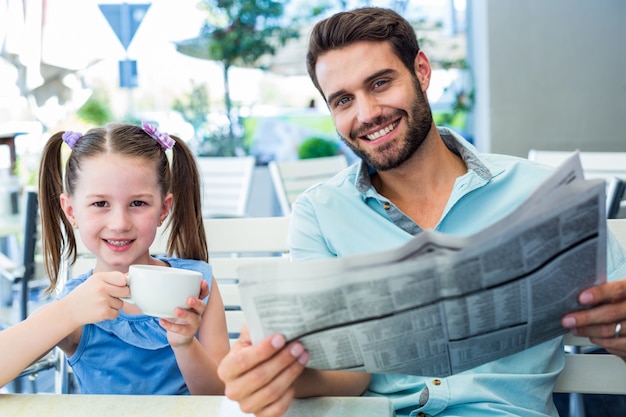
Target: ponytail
{"x":57,"y":234}
{"x":187,"y":238}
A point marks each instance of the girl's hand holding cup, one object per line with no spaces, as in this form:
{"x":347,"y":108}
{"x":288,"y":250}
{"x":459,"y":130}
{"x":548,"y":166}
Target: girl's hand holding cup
{"x":171,"y":294}
{"x":99,"y":298}
{"x":183,"y":328}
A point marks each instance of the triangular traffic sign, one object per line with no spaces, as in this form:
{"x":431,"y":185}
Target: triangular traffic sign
{"x":124,"y":19}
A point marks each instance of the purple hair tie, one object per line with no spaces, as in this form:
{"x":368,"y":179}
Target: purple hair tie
{"x":163,"y":138}
{"x":71,"y":138}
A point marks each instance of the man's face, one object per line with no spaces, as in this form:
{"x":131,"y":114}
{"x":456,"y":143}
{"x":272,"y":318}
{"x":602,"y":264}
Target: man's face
{"x":379,"y":107}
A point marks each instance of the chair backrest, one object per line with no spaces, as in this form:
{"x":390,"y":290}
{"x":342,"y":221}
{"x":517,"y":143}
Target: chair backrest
{"x":25,"y":271}
{"x":586,"y":372}
{"x":291,"y":178}
{"x":237,"y":242}
{"x":225,"y":185}
{"x":609,"y":166}
{"x":31,"y":239}
{"x":232,"y":242}
{"x":605,"y":165}
{"x":614,"y":195}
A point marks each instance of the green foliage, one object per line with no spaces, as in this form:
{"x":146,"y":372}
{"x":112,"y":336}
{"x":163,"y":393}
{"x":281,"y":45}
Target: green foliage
{"x":213,"y":136}
{"x":241,"y":31}
{"x":195,"y":106}
{"x":131,"y":119}
{"x":96,"y":110}
{"x":457,"y":117}
{"x":317,"y":148}
{"x":216,"y":139}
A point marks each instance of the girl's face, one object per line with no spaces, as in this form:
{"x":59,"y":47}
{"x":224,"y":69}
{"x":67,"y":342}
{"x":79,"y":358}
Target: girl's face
{"x":117,"y":207}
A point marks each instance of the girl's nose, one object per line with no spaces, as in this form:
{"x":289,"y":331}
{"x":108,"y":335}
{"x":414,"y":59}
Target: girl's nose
{"x":119,"y":221}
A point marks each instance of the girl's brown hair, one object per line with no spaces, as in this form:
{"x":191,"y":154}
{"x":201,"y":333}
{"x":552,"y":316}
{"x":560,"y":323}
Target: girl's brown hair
{"x":186,"y":237}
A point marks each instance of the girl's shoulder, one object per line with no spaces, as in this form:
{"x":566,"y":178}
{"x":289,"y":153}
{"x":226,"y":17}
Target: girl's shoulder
{"x":73,"y":283}
{"x":191,"y":264}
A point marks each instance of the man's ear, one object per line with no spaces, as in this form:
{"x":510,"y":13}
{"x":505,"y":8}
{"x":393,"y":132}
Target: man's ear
{"x":423,"y":70}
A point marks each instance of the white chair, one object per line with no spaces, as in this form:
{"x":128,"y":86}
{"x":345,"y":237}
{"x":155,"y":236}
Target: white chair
{"x":237,"y":242}
{"x":615,"y":193}
{"x":589,"y":373}
{"x":291,"y":178}
{"x":25,"y":272}
{"x":225,"y":185}
{"x":609,"y":166}
{"x":26,"y":277}
{"x":604,"y":165}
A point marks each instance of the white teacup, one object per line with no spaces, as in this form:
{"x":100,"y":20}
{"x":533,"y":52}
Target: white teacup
{"x":158,"y":290}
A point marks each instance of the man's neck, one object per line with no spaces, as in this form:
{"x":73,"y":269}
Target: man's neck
{"x":421,"y":186}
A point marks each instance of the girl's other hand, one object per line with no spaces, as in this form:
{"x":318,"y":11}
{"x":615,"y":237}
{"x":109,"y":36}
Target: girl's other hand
{"x":183,"y":328}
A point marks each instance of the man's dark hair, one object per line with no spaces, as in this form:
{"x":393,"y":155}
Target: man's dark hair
{"x":363,"y":24}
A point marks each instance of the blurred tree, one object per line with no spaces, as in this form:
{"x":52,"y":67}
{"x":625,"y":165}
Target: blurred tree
{"x":240,"y":32}
{"x":96,"y":110}
{"x":195,"y":106}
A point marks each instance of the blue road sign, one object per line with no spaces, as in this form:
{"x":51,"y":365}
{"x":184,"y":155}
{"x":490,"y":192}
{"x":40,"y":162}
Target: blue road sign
{"x":124,"y":19}
{"x":128,"y":73}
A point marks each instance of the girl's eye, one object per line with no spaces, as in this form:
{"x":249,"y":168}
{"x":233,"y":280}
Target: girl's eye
{"x":100,"y":204}
{"x":137,"y":203}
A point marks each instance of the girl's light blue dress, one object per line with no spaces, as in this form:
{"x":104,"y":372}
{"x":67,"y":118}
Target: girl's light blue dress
{"x":130,"y":354}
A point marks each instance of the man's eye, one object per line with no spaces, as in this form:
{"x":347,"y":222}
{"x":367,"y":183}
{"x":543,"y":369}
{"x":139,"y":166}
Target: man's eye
{"x":342,"y":101}
{"x":380,"y":83}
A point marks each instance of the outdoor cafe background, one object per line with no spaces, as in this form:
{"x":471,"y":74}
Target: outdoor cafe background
{"x":519,"y":84}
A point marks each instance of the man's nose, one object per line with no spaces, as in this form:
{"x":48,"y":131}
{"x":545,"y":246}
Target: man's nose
{"x":368,"y":109}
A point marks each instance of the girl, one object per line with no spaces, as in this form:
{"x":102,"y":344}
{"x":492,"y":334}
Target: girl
{"x":116,"y":189}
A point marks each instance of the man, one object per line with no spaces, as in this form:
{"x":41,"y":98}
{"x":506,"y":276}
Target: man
{"x":368,"y":67}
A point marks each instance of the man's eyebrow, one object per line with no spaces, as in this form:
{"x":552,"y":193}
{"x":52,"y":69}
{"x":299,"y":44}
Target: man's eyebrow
{"x":332,"y":97}
{"x":384,"y":72}
{"x":369,"y":79}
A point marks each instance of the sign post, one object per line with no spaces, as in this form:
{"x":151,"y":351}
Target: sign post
{"x":125,"y":19}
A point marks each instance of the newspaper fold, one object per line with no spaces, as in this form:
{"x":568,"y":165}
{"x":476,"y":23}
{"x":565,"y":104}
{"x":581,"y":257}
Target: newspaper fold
{"x":441,"y":304}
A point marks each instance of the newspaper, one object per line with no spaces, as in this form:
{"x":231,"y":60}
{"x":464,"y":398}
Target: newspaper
{"x":441,"y":304}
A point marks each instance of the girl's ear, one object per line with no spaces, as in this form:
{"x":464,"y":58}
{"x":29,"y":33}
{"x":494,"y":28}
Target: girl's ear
{"x":66,"y":206}
{"x":166,"y":207}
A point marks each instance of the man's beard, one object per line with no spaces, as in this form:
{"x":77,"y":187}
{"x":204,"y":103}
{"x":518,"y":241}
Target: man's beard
{"x":393,"y":154}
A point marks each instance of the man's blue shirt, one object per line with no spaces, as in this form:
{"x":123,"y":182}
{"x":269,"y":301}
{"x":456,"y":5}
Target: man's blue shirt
{"x":346,"y":216}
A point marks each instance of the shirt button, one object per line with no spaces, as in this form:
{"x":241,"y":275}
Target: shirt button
{"x":436,"y":381}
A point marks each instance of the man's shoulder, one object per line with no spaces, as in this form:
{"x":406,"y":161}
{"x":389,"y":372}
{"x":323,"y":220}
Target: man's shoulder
{"x":515,"y":165}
